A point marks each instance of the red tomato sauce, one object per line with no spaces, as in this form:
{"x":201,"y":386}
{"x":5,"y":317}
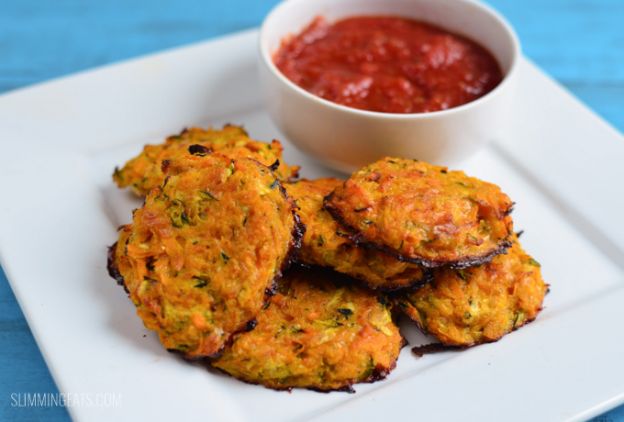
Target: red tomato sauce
{"x":387,"y":64}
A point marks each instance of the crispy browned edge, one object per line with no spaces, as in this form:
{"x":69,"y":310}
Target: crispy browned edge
{"x":391,"y":288}
{"x":415,"y":283}
{"x":426,"y":278}
{"x":431,"y":348}
{"x":291,"y":257}
{"x":359,"y":239}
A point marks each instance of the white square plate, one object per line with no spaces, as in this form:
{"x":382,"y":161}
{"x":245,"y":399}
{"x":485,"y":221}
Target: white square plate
{"x":60,"y":141}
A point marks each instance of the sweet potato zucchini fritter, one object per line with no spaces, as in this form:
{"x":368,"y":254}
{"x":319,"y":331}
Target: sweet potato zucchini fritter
{"x":145,"y":171}
{"x":202,"y":252}
{"x":316,"y":333}
{"x":424,"y":213}
{"x":325,"y":243}
{"x":479,"y":304}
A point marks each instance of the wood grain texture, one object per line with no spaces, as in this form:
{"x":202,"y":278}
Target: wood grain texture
{"x":579,"y":42}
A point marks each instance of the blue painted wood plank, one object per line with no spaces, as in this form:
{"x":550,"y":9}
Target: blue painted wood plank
{"x":22,"y":368}
{"x":574,"y":40}
{"x":579,"y":42}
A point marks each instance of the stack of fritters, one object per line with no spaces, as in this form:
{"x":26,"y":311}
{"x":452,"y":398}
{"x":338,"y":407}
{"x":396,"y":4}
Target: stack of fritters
{"x":483,"y":285}
{"x":205,"y":260}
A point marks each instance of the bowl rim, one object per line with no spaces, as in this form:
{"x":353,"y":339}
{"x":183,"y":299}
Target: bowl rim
{"x":267,"y":60}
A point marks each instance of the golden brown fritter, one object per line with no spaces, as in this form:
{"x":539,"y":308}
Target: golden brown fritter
{"x":325,"y":243}
{"x":318,"y":332}
{"x":145,"y":171}
{"x":202,"y":252}
{"x":479,"y":304}
{"x":424,"y":213}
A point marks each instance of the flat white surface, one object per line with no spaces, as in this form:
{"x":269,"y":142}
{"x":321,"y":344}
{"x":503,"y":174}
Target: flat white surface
{"x":60,"y":141}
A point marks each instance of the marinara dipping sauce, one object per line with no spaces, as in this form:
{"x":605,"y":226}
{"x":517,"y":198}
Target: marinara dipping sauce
{"x":387,"y":64}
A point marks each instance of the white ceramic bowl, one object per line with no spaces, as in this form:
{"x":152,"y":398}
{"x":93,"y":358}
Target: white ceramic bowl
{"x":346,"y":138}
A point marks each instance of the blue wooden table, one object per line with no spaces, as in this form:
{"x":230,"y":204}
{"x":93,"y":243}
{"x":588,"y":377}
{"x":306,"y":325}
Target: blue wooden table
{"x":579,"y":42}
